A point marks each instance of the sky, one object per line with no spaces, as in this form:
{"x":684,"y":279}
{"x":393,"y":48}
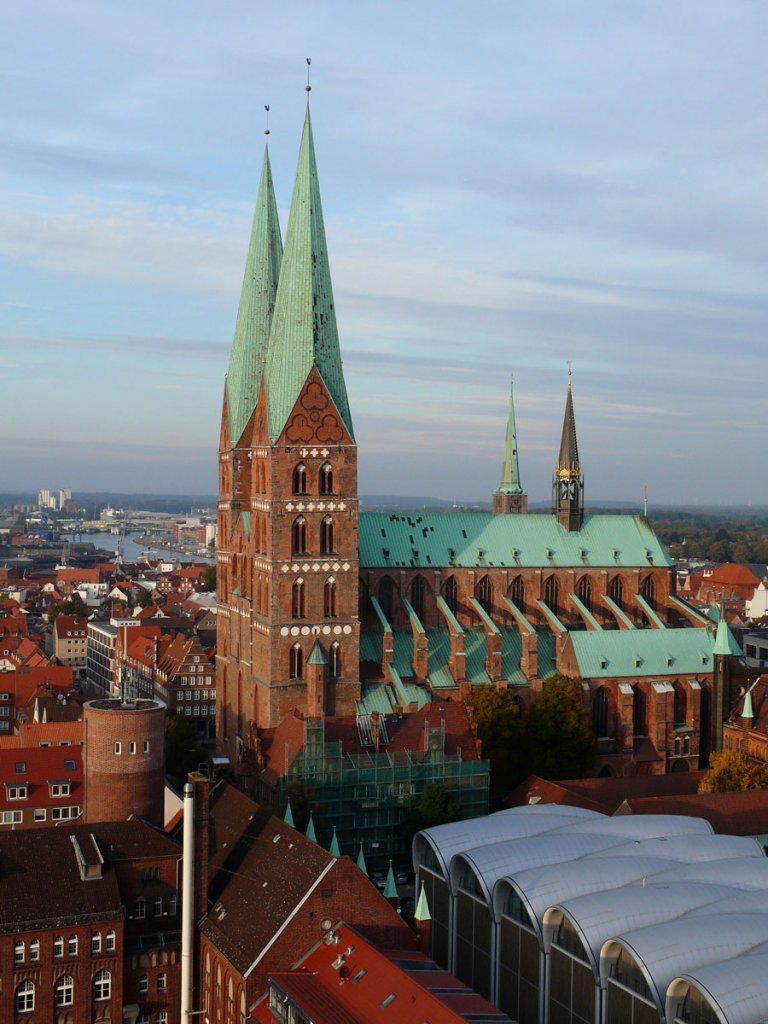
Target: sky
{"x":506,"y":186}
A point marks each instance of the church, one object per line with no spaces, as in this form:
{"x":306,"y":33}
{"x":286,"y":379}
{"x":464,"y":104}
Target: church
{"x":342,"y":625}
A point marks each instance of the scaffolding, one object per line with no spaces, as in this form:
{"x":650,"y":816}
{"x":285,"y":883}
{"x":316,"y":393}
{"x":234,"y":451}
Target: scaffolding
{"x":367,"y":795}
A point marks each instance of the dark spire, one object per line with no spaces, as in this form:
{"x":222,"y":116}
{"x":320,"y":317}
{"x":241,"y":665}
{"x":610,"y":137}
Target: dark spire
{"x":568,"y":483}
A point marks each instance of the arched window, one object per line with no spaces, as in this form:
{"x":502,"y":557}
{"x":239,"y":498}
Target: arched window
{"x":299,"y":536}
{"x":19,"y":951}
{"x":143,"y":984}
{"x":418,"y":590}
{"x":34,"y":951}
{"x":451,"y":594}
{"x":297,"y":603}
{"x":72,"y":945}
{"x":25,"y":997}
{"x":64,"y":991}
{"x":102,"y":986}
{"x":648,"y":590}
{"x":680,"y":706}
{"x":330,"y":610}
{"x":638,"y":712}
{"x":600,"y":712}
{"x":300,"y":479}
{"x":296,"y":662}
{"x":326,"y":536}
{"x":335,"y":660}
{"x":552,"y":594}
{"x":111,"y":937}
{"x":385,"y":595}
{"x":484,"y":594}
{"x":616,"y":592}
{"x":517,"y":592}
{"x":584,"y":592}
{"x":326,"y":478}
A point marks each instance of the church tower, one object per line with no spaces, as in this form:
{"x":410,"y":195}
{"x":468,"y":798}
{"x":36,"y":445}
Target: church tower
{"x":510,"y":496}
{"x":568,"y":482}
{"x":288,"y":560}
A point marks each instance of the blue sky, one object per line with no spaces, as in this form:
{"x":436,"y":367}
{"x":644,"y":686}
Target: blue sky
{"x":506,"y":186}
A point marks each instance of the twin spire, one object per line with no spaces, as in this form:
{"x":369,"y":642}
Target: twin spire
{"x":286,"y":322}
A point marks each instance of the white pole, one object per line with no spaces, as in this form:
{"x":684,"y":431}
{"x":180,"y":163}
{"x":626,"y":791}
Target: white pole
{"x":187,"y":902}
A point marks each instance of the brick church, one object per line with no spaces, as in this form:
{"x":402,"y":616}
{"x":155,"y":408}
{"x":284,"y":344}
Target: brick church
{"x":360,"y":619}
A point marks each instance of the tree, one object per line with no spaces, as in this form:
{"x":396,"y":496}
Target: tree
{"x":731,"y":772}
{"x":561,"y":744}
{"x":143,"y":597}
{"x":72,"y":606}
{"x":209,"y":577}
{"x":303,"y":800}
{"x":501,"y":728}
{"x":183,"y":754}
{"x":434,"y":806}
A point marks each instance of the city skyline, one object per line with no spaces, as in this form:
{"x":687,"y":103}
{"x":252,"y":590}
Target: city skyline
{"x":579,"y":184}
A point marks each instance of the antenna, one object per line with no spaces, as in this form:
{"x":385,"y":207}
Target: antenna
{"x":645,"y":501}
{"x":266,"y":130}
{"x":308,"y":87}
{"x":570,"y":367}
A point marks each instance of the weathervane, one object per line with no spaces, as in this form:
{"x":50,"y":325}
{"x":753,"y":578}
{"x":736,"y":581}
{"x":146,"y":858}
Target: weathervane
{"x":266,"y":130}
{"x":570,"y":364}
{"x":308,"y":87}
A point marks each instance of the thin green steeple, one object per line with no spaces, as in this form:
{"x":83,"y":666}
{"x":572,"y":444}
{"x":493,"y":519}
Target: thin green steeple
{"x":257,"y":302}
{"x":311,"y":833}
{"x":361,"y":861}
{"x":390,"y":889}
{"x":422,"y":907}
{"x":725,"y":642}
{"x":288,"y":818}
{"x":333,"y":849}
{"x":304,"y":331}
{"x":510,"y":470}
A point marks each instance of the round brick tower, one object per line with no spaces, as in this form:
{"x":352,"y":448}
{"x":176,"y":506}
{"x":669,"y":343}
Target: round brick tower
{"x":124,"y":759}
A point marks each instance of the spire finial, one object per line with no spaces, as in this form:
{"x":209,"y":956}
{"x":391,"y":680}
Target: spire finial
{"x":266,"y":130}
{"x":308,"y":87}
{"x":645,"y":500}
{"x":570,"y":370}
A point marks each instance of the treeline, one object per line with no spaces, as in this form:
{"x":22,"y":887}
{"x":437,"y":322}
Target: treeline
{"x":715,"y":536}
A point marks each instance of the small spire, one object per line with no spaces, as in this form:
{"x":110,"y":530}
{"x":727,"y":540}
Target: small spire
{"x":569,"y":447}
{"x":288,"y":817}
{"x":422,"y":907}
{"x":725,"y":642}
{"x":746,"y":711}
{"x":333,"y":849}
{"x":510,"y":471}
{"x":311,"y":834}
{"x":361,"y":861}
{"x":390,"y":889}
{"x":568,"y":483}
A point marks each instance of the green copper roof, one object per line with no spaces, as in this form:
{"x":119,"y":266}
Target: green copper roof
{"x":479,"y":539}
{"x":642,"y":652}
{"x":510,"y":470}
{"x":254,"y":315}
{"x":288,"y":817}
{"x":333,"y":849}
{"x":746,"y":711}
{"x":422,"y":907}
{"x":311,"y":834}
{"x":725,"y":642}
{"x":317,"y":655}
{"x":569,"y":448}
{"x":304,"y":329}
{"x":361,"y":861}
{"x":390,"y":889}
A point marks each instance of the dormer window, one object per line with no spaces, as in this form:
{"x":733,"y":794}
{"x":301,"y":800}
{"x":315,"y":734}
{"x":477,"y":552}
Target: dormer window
{"x":16,"y":792}
{"x":59,"y":789}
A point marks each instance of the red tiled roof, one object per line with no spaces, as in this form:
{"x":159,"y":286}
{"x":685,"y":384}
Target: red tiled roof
{"x":78,"y":575}
{"x":733,"y":814}
{"x":23,"y":684}
{"x":603,"y":795}
{"x":732,"y":573}
{"x":41,"y":765}
{"x":52,"y":734}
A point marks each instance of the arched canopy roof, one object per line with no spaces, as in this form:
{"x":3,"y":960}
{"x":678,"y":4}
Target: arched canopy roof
{"x":736,"y":989}
{"x":644,"y":826}
{"x":517,"y":822}
{"x":539,"y":888}
{"x":684,"y":848}
{"x":599,"y":915}
{"x":742,"y":872}
{"x":664,"y":951}
{"x":748,"y":901}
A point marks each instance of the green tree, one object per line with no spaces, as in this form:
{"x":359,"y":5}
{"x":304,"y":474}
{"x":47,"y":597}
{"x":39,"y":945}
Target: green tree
{"x":303,"y":800}
{"x":434,"y":806}
{"x":731,"y":772}
{"x":209,"y":578}
{"x":143,"y":597}
{"x":561,"y":744}
{"x":501,"y":728}
{"x":183,"y":753}
{"x":72,"y":606}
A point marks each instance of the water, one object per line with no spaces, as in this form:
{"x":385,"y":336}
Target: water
{"x":133,"y":549}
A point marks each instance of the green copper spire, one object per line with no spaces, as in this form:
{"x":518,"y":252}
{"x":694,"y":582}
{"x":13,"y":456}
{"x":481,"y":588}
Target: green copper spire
{"x":311,"y":834}
{"x":422,"y":907}
{"x":361,"y":861}
{"x":304,"y":329}
{"x":725,"y":642}
{"x":257,"y":302}
{"x":510,"y":471}
{"x":746,"y":711}
{"x":390,"y":889}
{"x":333,"y":849}
{"x":288,"y":819}
{"x":317,"y":655}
